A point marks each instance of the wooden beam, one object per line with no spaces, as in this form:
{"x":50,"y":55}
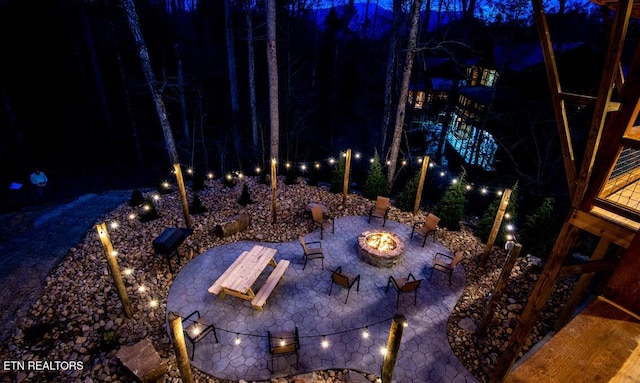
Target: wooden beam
{"x":587,"y":267}
{"x":602,"y":228}
{"x":580,"y":289}
{"x":537,"y":300}
{"x":423,"y":173}
{"x":495,"y":229}
{"x":587,"y":100}
{"x":618,"y":209}
{"x":562,"y":122}
{"x":609,"y":74}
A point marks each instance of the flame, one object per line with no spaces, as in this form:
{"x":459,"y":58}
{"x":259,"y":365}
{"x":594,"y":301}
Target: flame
{"x":381,"y":241}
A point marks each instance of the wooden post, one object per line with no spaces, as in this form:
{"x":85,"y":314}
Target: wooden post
{"x":274,"y":199}
{"x":504,"y":202}
{"x":512,"y":256}
{"x":112,"y":262}
{"x":180,"y":348}
{"x":393,"y":345}
{"x":580,"y":288}
{"x":183,"y":195}
{"x":345,"y":185}
{"x":423,"y":173}
{"x":537,"y":300}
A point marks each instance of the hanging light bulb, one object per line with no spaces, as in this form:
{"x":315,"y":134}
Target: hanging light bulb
{"x":324,"y":343}
{"x":237,"y":340}
{"x":365,"y":333}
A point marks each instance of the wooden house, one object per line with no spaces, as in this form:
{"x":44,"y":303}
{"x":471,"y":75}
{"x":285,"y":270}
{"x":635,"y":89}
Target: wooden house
{"x":601,"y":341}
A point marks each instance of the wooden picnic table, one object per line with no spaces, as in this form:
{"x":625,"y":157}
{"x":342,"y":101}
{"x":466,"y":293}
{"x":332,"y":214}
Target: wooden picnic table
{"x":240,"y":276}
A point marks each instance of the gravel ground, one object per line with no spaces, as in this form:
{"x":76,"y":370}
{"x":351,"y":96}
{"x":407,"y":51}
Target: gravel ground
{"x":77,"y":309}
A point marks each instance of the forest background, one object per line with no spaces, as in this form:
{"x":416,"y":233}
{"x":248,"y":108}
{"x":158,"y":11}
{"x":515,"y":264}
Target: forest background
{"x":76,"y":104}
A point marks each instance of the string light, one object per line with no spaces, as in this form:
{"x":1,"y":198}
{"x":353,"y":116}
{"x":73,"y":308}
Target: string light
{"x":258,"y":170}
{"x":142,"y":288}
{"x":383,"y":350}
{"x":190,"y":171}
{"x":156,"y":197}
{"x":237,"y":339}
{"x":210,"y":175}
{"x":365,"y":333}
{"x":132,"y":216}
{"x":324,"y":343}
{"x":114,"y":224}
{"x":128,"y":271}
{"x":114,"y":253}
{"x":153,"y":303}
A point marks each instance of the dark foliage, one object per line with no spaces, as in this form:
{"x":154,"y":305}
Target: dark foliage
{"x":337,"y":176}
{"x":245,"y":197}
{"x":407,"y":196}
{"x":164,"y":187}
{"x":136,"y":199}
{"x":376,"y":183}
{"x":149,"y":212}
{"x":540,"y":230}
{"x":450,"y":208}
{"x":290,"y":177}
{"x":198,"y":182}
{"x":196,"y":206}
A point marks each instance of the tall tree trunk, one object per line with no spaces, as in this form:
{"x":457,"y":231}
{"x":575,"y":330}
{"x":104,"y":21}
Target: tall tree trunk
{"x":127,"y":95}
{"x":404,"y":91}
{"x":272,"y":66}
{"x":390,"y":73}
{"x":145,"y":61}
{"x":252,"y":78}
{"x":183,"y":102}
{"x":233,"y":81}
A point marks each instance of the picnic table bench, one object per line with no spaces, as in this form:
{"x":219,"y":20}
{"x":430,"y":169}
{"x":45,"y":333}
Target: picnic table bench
{"x":241,"y":275}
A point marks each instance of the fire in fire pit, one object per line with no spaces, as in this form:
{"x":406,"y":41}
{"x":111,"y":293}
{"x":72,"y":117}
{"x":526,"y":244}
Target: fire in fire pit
{"x":380,"y":248}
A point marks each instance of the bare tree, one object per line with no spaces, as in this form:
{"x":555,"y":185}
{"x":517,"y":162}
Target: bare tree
{"x":233,"y":80}
{"x":390,"y":72}
{"x":404,"y":91}
{"x":252,"y":76}
{"x":272,"y":67}
{"x":161,"y":110}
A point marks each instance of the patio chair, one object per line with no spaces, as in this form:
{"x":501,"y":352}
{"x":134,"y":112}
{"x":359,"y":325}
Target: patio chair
{"x":405,"y":285}
{"x":380,"y":209}
{"x":283,"y":343}
{"x":312,"y":252}
{"x":319,"y":220}
{"x":430,"y":226}
{"x":196,"y":329}
{"x":443,"y":266}
{"x":345,"y":280}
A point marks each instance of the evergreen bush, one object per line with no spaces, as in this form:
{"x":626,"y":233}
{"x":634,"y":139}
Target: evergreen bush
{"x":136,"y":199}
{"x":540,"y":230}
{"x":486,"y":221}
{"x":164,"y":187}
{"x":291,"y":178}
{"x":196,"y":206}
{"x":376,"y":183}
{"x":245,"y":197}
{"x":229,"y":181}
{"x":150,"y":213}
{"x":337,"y":176}
{"x":407,"y":196}
{"x":450,"y":208}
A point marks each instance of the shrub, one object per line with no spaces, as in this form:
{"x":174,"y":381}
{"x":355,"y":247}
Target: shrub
{"x":245,"y":197}
{"x":450,"y":208}
{"x":196,"y":206}
{"x":486,"y":222}
{"x":164,"y":187}
{"x":229,"y":181}
{"x":137,"y":199}
{"x":150,"y":213}
{"x":540,"y":230}
{"x":407,"y":196}
{"x":337,"y":176}
{"x":376,"y":183}
{"x":291,"y":178}
{"x":198,"y":181}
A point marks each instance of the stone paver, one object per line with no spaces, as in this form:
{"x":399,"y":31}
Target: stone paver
{"x":301,"y":299}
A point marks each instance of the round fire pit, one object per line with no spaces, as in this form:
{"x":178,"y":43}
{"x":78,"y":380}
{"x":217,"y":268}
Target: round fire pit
{"x":380,"y":248}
